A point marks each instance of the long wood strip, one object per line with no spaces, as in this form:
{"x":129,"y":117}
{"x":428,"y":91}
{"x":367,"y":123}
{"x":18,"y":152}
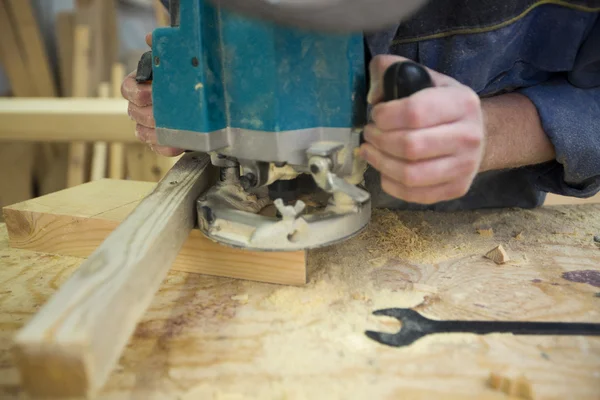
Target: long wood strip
{"x":81,"y":55}
{"x":38,"y":66}
{"x":65,"y":31}
{"x":116,"y":166}
{"x":11,"y":57}
{"x":75,"y":221}
{"x":100,"y":154}
{"x":65,"y":119}
{"x":84,"y":327}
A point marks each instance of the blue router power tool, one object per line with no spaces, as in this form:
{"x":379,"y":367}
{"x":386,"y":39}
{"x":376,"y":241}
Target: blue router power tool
{"x":280,"y":109}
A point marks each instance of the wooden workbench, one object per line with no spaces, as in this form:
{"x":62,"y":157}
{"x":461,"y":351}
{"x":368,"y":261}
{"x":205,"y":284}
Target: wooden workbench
{"x":217,"y":338}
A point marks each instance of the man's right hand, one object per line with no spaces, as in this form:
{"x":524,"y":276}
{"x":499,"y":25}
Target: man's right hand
{"x":140,"y":110}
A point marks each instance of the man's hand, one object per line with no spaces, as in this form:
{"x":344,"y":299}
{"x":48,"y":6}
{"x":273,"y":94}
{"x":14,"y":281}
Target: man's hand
{"x":140,"y":110}
{"x":428,"y":147}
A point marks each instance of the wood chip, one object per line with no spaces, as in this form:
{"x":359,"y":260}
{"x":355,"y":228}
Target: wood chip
{"x":519,"y":388}
{"x":519,"y":236}
{"x":498,"y":255}
{"x":485,"y":231}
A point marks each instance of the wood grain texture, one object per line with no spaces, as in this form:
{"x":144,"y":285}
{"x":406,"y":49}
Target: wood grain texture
{"x":143,"y":164}
{"x":12,"y":57}
{"x":82,"y":330}
{"x":75,"y":221}
{"x":217,"y":338}
{"x":65,"y":35}
{"x":17,"y":166}
{"x":65,"y":119}
{"x":78,"y":151}
{"x":116,"y":167}
{"x":37,"y":65}
{"x":100,"y":155}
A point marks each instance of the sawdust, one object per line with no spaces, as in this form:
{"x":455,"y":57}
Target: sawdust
{"x":389,"y":235}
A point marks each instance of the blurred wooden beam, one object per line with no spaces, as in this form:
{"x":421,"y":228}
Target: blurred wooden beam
{"x":65,"y":119}
{"x":116,"y":166}
{"x":11,"y":57}
{"x":65,"y":30}
{"x":37,"y":62}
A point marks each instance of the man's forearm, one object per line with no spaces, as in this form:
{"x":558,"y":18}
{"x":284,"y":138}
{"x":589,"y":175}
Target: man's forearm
{"x":515,"y":137}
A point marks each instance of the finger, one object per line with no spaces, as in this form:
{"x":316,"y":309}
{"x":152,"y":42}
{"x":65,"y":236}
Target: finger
{"x":149,"y":39}
{"x":427,"y":108}
{"x":142,"y":115}
{"x":379,"y":65}
{"x":423,"y":144}
{"x":139,"y":94}
{"x":420,"y":173}
{"x":145,"y":135}
{"x":426,"y":195}
{"x":166,"y":151}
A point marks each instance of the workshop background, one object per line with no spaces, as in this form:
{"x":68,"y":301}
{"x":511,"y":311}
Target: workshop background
{"x":77,"y":48}
{"x":71,"y":48}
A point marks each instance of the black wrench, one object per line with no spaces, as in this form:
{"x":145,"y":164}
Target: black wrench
{"x":415,"y":326}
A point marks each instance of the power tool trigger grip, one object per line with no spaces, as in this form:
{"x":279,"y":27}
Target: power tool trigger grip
{"x":144,"y":70}
{"x":404,"y":79}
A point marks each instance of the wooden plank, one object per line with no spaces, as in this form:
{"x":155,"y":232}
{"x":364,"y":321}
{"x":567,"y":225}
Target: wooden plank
{"x":12,"y":57}
{"x":65,"y":31}
{"x":75,"y":221}
{"x":17,"y":163}
{"x":65,"y":119}
{"x":216,"y":338}
{"x":36,"y":56}
{"x":81,"y":56}
{"x":83,"y":329}
{"x":145,"y":165}
{"x":117,"y":149}
{"x":160,"y":13}
{"x":16,"y":159}
{"x":555,"y":200}
{"x":100,"y":155}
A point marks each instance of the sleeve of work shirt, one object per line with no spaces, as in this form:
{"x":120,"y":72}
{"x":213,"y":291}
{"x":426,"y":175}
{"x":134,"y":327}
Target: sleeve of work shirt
{"x":569,"y":108}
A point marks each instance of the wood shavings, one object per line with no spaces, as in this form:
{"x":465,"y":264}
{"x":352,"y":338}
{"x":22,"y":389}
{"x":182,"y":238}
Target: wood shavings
{"x":498,"y":255}
{"x":519,"y":387}
{"x":390,"y":236}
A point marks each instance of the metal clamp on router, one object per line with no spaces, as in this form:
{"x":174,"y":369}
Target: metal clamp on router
{"x":272,"y":105}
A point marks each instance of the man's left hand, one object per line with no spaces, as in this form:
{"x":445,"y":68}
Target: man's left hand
{"x":427,"y":147}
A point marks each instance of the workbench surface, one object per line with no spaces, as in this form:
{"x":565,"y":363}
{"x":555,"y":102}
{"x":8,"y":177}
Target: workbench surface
{"x":217,"y":338}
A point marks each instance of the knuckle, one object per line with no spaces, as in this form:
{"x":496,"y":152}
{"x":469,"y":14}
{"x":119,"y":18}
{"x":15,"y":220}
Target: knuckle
{"x":414,"y":113}
{"x":381,"y":116}
{"x":390,"y":188}
{"x":414,"y":197}
{"x":409,"y":176}
{"x":411,"y":148}
{"x":457,"y":190}
{"x":471,"y":101}
{"x":378,"y":64}
{"x":132,"y":111}
{"x":472,"y":138}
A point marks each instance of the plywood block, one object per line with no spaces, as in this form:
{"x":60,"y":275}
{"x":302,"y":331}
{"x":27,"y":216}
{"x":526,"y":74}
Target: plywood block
{"x":75,"y":221}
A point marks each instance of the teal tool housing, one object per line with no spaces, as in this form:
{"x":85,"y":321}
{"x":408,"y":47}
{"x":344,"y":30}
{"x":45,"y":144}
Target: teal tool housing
{"x":218,"y":71}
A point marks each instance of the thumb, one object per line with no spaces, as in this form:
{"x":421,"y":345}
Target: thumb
{"x":379,"y":66}
{"x":149,"y":39}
